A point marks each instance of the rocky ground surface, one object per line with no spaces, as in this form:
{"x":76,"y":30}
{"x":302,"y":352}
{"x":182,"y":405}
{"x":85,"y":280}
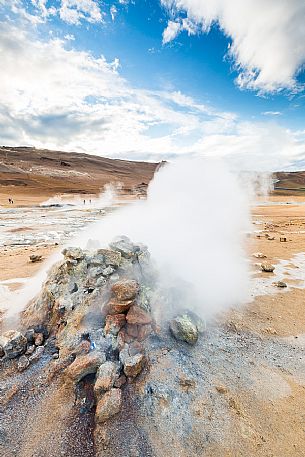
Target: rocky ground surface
{"x":91,"y":372}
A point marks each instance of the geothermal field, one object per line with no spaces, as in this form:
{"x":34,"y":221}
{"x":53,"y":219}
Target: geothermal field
{"x":148,"y":310}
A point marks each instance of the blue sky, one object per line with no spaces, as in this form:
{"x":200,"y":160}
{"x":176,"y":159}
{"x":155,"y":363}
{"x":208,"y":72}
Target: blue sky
{"x":173,"y":58}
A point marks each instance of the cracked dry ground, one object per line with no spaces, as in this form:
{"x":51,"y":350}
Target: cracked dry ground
{"x":240,"y":391}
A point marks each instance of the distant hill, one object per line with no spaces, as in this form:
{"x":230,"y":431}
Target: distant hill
{"x":289,"y":182}
{"x":28,"y":170}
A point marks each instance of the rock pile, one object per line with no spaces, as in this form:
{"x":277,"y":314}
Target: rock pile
{"x":93,"y":317}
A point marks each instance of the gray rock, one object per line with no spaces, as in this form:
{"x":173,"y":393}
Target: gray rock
{"x":123,"y":245}
{"x":96,"y":260}
{"x":108,"y":271}
{"x":105,"y":378}
{"x":73,"y":253}
{"x":37,"y":354}
{"x":13,"y":343}
{"x":23,"y":363}
{"x":267,"y":267}
{"x":2,"y":353}
{"x":184,"y":329}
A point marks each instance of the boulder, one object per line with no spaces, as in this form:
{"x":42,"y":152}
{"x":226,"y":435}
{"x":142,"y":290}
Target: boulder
{"x":133,"y":365}
{"x":114,"y":323}
{"x":84,"y":365}
{"x":267,"y":267}
{"x":184,"y":329}
{"x":137,"y":315}
{"x":125,"y":290}
{"x":105,"y":378}
{"x":109,"y":405}
{"x":13,"y":343}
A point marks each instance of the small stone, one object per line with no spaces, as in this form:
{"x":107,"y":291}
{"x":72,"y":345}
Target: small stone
{"x":267,"y":267}
{"x":221,"y":389}
{"x":73,"y":254}
{"x":125,"y":290}
{"x":30,"y":349}
{"x":38,"y":338}
{"x":73,"y":288}
{"x":23,"y":363}
{"x":109,"y":405}
{"x":84,"y":365}
{"x":116,"y":307}
{"x":134,"y":365}
{"x":114,"y":323}
{"x":144,"y":331}
{"x":135,"y":348}
{"x":111,"y":258}
{"x":37,"y":354}
{"x":184,"y":329}
{"x":259,"y":255}
{"x":97,"y":260}
{"x":29,"y":334}
{"x":35,"y":258}
{"x":132,"y":330}
{"x":119,"y":382}
{"x":105,"y":377}
{"x":2,"y":353}
{"x":55,"y":356}
{"x":108,"y":271}
{"x":280,"y":284}
{"x":123,"y":245}
{"x":137,"y":315}
{"x":13,"y":343}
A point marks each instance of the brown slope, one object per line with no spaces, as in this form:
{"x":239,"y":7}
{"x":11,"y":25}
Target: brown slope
{"x":38,"y":173}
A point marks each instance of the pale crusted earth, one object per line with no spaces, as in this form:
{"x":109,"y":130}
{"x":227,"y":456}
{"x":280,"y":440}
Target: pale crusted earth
{"x":240,"y":391}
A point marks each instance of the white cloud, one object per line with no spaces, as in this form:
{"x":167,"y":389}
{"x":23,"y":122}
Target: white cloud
{"x":53,"y":97}
{"x":268,"y":36}
{"x":73,"y":11}
{"x":113,"y":12}
{"x":272,"y":113}
{"x":172,"y":30}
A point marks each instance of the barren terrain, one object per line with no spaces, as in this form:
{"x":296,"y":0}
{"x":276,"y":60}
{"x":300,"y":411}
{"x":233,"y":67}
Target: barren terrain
{"x":254,"y":371}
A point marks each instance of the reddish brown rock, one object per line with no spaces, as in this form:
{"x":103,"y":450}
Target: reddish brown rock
{"x":137,"y":315}
{"x":105,"y":378}
{"x":120,"y":381}
{"x":85,"y":364}
{"x":125,"y":290}
{"x":109,"y":405}
{"x":118,"y":307}
{"x":114,"y":323}
{"x":38,"y":339}
{"x":135,"y":348}
{"x":144,"y":332}
{"x":132,"y":330}
{"x":134,"y":365}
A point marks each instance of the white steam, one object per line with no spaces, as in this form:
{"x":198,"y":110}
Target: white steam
{"x":193,"y":222}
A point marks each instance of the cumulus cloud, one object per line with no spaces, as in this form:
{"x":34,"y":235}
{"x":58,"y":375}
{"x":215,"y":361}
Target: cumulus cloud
{"x":267,"y":37}
{"x":56,"y":97}
{"x":73,"y":11}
